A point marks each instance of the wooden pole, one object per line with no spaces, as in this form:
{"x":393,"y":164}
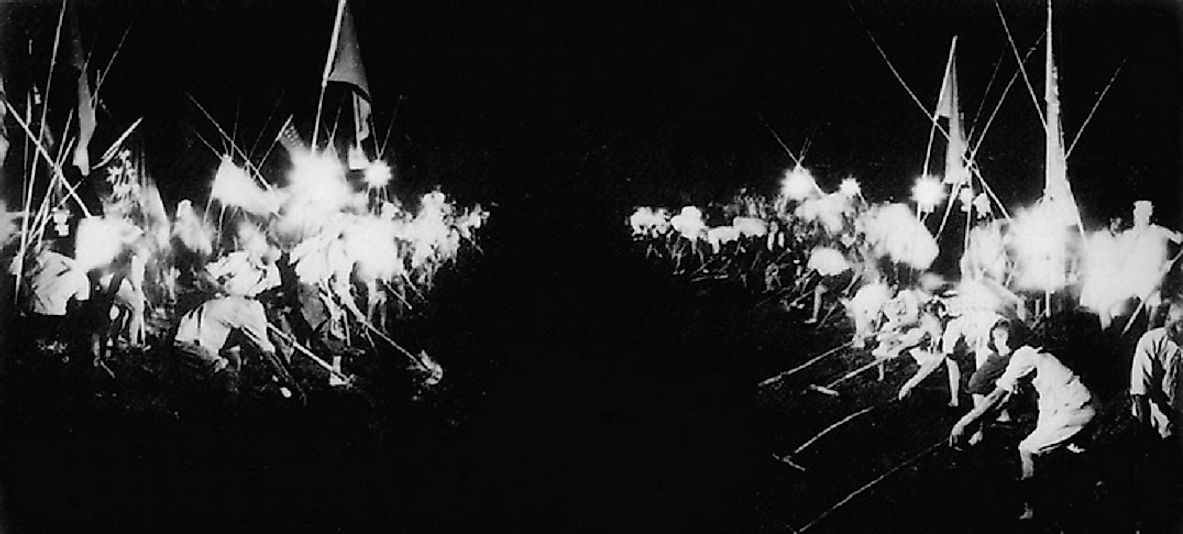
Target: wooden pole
{"x":849,"y":497}
{"x":812,"y":361}
{"x":308,"y":353}
{"x":324,"y":79}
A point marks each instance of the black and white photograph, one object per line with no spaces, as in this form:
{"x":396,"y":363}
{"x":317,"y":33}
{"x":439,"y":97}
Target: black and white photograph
{"x":827,"y":266}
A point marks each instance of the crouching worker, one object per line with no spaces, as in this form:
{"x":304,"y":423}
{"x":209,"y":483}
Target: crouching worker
{"x":921,"y":343}
{"x":202,"y":335}
{"x":1065,"y":407}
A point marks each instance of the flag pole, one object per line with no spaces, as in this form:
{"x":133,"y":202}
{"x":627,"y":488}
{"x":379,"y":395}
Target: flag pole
{"x":324,"y":78}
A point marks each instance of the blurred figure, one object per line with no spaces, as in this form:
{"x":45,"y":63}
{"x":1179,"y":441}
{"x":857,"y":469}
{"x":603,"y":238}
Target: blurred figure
{"x":56,"y":321}
{"x":921,"y":343}
{"x":1146,"y":259}
{"x":130,"y":301}
{"x":866,"y":310}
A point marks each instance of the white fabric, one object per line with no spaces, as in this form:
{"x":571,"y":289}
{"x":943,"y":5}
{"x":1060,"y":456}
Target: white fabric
{"x":974,"y":327}
{"x":1155,"y":373}
{"x":1065,"y":404}
{"x":210,"y":324}
{"x":55,"y":280}
{"x":243,"y":276}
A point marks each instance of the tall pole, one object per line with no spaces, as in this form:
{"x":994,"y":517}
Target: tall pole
{"x":324,"y":78}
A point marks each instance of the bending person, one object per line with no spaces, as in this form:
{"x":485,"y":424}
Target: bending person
{"x":921,"y":343}
{"x":204,"y":331}
{"x":1065,"y":407}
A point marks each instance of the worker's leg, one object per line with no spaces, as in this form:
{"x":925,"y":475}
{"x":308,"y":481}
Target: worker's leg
{"x":818,"y":291}
{"x":954,"y":382}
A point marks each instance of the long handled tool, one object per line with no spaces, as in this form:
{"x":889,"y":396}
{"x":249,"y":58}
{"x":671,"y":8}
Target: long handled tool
{"x":422,"y":360}
{"x":788,"y":458}
{"x":286,"y":337}
{"x":849,"y":497}
{"x":812,"y":361}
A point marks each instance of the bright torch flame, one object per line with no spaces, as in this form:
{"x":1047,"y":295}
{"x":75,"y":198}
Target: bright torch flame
{"x":798,"y":184}
{"x":928,"y":193}
{"x":377,"y":175}
{"x":850,"y":188}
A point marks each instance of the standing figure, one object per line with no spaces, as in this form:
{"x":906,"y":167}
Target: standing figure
{"x":1145,"y":253}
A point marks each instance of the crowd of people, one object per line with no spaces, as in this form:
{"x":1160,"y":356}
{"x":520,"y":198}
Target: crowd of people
{"x":316,"y":268}
{"x":876,"y":262}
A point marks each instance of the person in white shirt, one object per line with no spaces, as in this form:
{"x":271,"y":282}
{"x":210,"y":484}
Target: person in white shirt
{"x":55,"y":279}
{"x":1145,"y":249}
{"x":1155,"y":386}
{"x":244,"y":274}
{"x":203,"y":332}
{"x":1065,"y":407}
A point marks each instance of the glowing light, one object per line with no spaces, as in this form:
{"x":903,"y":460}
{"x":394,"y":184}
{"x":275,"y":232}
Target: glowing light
{"x":928,"y":192}
{"x":750,"y":226}
{"x":1041,"y":247}
{"x":966,"y":198}
{"x":370,"y":243}
{"x":647,"y":221}
{"x":850,"y":187}
{"x":894,"y":232}
{"x":829,"y":210}
{"x":191,"y":231}
{"x":688,"y":223}
{"x":982,"y":205}
{"x":100,"y":240}
{"x":986,"y":254}
{"x":798,"y":184}
{"x":377,"y":175}
{"x":234,"y":187}
{"x":429,"y":231}
{"x":983,"y":295}
{"x":721,"y":235}
{"x":1104,"y":286}
{"x":827,"y":261}
{"x":316,"y":191}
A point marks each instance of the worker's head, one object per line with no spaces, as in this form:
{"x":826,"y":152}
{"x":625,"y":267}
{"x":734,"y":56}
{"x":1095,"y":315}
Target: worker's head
{"x":1174,"y":316}
{"x":1000,"y":335}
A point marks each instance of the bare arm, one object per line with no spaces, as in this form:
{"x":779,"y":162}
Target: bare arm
{"x":992,"y":402}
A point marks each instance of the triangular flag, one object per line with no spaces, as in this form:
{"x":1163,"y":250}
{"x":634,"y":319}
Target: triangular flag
{"x":86,"y":113}
{"x":1056,"y":189}
{"x":948,"y":106}
{"x":347,"y":65}
{"x":348,"y":68}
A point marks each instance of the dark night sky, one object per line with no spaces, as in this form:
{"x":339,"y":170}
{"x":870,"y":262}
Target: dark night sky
{"x":649,"y":103}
